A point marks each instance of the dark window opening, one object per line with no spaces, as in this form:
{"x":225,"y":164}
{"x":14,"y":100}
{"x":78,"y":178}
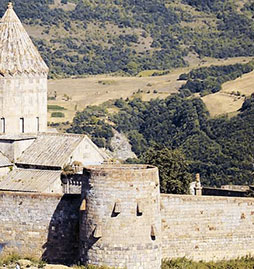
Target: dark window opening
{"x":3,"y":125}
{"x":38,"y":124}
{"x":22,"y":125}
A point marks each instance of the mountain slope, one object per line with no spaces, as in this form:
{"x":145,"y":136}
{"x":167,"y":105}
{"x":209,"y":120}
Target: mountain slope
{"x":92,"y":37}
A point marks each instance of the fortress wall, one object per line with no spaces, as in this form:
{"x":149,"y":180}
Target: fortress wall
{"x":40,"y":226}
{"x":207,"y":228}
{"x":112,"y":230}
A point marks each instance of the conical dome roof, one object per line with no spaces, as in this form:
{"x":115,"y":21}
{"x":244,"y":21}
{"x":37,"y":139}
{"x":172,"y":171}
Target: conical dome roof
{"x":18,"y":55}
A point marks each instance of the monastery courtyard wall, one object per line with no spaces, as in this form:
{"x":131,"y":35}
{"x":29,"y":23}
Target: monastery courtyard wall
{"x":207,"y":227}
{"x":197,"y":227}
{"x":38,"y":226}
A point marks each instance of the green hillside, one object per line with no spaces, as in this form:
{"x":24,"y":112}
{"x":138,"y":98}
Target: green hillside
{"x":83,"y":37}
{"x":220,"y":149}
{"x":126,"y":36}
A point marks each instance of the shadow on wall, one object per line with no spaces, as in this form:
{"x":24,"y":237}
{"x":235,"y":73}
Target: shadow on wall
{"x":62,"y":244}
{"x":86,"y":241}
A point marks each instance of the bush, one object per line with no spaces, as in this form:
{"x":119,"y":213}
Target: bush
{"x":57,"y":115}
{"x":9,"y":259}
{"x":56,"y":107}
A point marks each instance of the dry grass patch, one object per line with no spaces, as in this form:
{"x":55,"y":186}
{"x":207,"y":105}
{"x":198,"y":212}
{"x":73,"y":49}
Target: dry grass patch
{"x":89,"y":91}
{"x":224,"y":102}
{"x":244,"y":84}
{"x":221,"y":103}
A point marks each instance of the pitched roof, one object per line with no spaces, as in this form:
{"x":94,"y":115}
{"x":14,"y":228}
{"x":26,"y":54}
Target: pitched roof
{"x":29,"y":180}
{"x":18,"y":54}
{"x":50,"y":149}
{"x":4,"y":161}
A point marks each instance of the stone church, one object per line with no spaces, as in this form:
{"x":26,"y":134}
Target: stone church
{"x":32,"y":159}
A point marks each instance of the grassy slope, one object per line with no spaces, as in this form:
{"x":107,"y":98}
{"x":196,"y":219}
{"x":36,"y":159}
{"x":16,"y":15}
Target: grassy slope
{"x":11,"y":261}
{"x":225,"y":102}
{"x":88,"y":91}
{"x":173,"y":25}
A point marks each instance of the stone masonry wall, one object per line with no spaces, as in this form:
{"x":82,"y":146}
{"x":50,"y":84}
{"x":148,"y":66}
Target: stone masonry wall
{"x":24,"y":96}
{"x":36,"y":225}
{"x":121,"y":223}
{"x":207,"y":228}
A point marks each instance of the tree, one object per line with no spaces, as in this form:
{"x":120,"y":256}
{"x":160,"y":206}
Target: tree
{"x":173,"y":169}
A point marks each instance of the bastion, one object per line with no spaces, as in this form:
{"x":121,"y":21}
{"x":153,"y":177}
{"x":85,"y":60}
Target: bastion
{"x":120,"y":219}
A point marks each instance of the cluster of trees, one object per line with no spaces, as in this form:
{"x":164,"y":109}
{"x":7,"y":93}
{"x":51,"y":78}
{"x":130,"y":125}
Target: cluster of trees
{"x":82,"y":55}
{"x":92,"y":121}
{"x":36,"y":12}
{"x":220,"y":149}
{"x":233,"y":35}
{"x":173,"y":168}
{"x":208,"y":80}
{"x":210,"y":5}
{"x":98,"y":59}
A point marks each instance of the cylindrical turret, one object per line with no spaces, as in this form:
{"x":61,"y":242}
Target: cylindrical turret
{"x":120,"y":216}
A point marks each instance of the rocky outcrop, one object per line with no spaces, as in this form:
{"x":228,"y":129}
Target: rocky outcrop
{"x":121,"y":148}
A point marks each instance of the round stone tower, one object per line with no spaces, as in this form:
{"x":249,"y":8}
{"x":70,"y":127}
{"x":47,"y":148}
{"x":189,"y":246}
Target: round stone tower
{"x":120,"y":216}
{"x":23,"y":80}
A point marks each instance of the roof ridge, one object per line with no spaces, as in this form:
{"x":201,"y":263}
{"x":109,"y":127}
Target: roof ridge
{"x":62,"y":134}
{"x":4,"y":160}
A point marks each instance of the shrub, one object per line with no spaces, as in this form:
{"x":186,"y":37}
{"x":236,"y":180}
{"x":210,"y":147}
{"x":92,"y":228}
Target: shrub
{"x":9,"y":259}
{"x":57,"y":115}
{"x":56,"y":107}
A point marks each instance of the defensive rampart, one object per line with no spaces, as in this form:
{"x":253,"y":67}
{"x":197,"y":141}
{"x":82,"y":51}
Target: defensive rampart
{"x":121,"y":220}
{"x":207,"y":227}
{"x":40,"y":226}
